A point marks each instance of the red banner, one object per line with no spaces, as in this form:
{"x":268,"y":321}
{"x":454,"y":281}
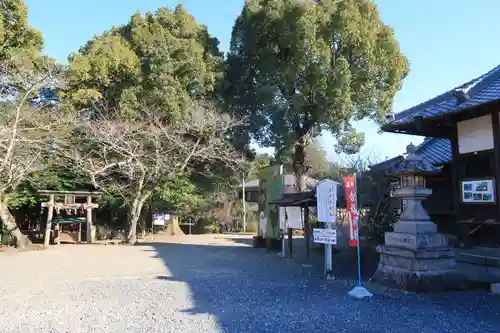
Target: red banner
{"x":352,"y":209}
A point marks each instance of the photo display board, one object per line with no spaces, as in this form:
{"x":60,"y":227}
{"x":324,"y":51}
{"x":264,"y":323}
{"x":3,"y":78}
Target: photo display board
{"x":478,"y":191}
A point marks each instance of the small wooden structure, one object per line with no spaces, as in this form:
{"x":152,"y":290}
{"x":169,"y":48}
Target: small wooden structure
{"x":72,"y":207}
{"x":304,"y":200}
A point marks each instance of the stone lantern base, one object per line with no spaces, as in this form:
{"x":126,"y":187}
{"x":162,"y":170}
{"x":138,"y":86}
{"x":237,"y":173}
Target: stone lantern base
{"x":418,"y":262}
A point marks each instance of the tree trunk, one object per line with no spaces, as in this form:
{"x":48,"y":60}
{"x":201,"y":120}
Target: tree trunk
{"x":299,"y":165}
{"x":133,"y":217}
{"x":132,"y":224}
{"x":10,"y":223}
{"x":300,"y":169}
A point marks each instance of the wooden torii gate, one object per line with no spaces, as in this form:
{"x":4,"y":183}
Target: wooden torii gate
{"x":69,"y":204}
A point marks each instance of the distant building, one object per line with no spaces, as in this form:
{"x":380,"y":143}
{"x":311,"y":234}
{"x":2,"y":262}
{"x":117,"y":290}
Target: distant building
{"x":252,"y":186}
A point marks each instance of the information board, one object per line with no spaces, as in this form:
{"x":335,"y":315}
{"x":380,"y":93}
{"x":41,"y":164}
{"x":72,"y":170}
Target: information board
{"x":325,"y":236}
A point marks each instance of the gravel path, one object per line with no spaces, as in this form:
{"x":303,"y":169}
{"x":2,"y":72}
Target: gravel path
{"x":226,"y":287}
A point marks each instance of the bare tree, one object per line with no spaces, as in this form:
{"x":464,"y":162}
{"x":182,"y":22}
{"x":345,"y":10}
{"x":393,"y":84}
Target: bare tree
{"x":127,"y":157}
{"x":26,"y":128}
{"x":358,"y":162}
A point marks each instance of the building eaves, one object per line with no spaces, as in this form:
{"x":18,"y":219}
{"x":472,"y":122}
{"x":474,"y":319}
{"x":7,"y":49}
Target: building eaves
{"x":481,"y":90}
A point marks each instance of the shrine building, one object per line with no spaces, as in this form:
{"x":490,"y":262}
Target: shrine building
{"x":462,"y":130}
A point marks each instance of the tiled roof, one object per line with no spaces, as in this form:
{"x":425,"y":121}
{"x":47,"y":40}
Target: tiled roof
{"x":413,"y":163}
{"x":385,"y":165}
{"x":483,"y":89}
{"x":435,"y":150}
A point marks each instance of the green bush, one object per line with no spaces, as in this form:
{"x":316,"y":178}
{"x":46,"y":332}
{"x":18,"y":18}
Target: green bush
{"x":5,"y":237}
{"x":206,"y":225}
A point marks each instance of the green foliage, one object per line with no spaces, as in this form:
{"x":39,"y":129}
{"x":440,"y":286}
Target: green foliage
{"x":380,"y":218}
{"x":296,"y":68}
{"x":350,"y":142}
{"x":16,"y":35}
{"x":176,"y":194}
{"x":5,"y":237}
{"x":161,"y":61}
{"x":260,"y":161}
{"x":22,"y":66}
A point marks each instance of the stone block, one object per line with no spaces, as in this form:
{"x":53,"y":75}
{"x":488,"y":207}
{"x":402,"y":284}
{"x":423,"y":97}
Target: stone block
{"x":493,"y":262}
{"x":493,"y":274}
{"x":486,"y":251}
{"x":418,"y":281}
{"x":495,"y":288}
{"x":415,"y":241}
{"x":420,"y":265}
{"x":445,"y":252}
{"x":472,"y":258}
{"x":473,"y":272}
{"x":415,"y":227}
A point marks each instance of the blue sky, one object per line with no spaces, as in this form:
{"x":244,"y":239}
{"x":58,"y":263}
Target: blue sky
{"x":448,"y":42}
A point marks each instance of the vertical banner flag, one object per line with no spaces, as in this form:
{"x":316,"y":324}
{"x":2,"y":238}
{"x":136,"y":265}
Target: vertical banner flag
{"x":352,"y":209}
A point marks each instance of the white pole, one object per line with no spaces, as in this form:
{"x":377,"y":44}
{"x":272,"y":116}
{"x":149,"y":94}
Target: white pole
{"x":244,"y":208}
{"x":283,"y":231}
{"x":328,"y":257}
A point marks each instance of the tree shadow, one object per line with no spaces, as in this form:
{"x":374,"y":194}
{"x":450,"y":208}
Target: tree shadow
{"x":251,"y":290}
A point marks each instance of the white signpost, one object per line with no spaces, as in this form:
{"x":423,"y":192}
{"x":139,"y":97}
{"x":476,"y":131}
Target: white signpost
{"x":326,"y":196}
{"x":159,"y":219}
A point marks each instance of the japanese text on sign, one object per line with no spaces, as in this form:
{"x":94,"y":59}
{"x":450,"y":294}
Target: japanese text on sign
{"x":325,"y":236}
{"x":326,"y":195}
{"x":352,"y":209}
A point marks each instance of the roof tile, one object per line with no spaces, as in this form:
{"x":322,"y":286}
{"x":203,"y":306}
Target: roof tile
{"x":435,"y":150}
{"x":483,"y":89}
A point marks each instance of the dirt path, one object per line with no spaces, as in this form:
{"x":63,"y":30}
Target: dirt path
{"x":209,"y":283}
{"x":207,"y":239}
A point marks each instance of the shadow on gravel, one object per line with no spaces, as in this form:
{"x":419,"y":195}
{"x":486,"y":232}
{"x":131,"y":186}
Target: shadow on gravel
{"x":251,"y":290}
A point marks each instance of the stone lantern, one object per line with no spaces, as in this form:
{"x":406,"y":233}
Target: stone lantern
{"x":412,"y":171}
{"x":415,"y":256}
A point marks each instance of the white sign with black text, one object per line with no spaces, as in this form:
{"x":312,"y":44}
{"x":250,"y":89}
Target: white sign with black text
{"x":325,"y":236}
{"x":160,"y":218}
{"x":326,"y":197}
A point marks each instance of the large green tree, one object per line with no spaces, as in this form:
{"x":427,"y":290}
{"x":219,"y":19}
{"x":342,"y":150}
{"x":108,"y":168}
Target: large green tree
{"x":296,"y":68}
{"x":16,"y":36}
{"x":151,"y":85}
{"x":162,"y":60}
{"x":25,"y":132}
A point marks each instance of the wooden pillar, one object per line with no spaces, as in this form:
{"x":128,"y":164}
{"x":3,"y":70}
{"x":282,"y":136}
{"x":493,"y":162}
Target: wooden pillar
{"x":308,"y":231}
{"x":58,"y":233}
{"x":495,"y":122}
{"x":48,"y":225}
{"x":89,"y":219}
{"x":458,"y":175}
{"x":79,"y":237}
{"x":457,"y":172}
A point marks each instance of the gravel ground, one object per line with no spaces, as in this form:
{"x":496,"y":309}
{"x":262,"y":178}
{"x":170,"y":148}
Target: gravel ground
{"x":225,"y":287}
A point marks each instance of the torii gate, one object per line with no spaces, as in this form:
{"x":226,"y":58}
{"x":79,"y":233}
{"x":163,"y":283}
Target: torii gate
{"x":69,"y":205}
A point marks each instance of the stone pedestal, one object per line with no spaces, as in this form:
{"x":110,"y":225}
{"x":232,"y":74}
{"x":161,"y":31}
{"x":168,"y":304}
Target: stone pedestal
{"x":419,"y":262}
{"x":415,"y":256}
